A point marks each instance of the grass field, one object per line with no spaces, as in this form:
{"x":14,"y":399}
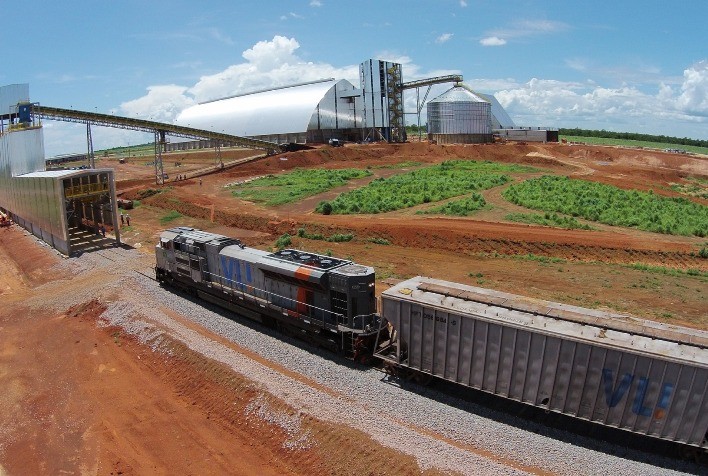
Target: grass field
{"x":459,"y":208}
{"x":611,"y":205}
{"x":548,"y":219}
{"x":428,"y":185}
{"x":290,"y":187}
{"x":635,"y":143}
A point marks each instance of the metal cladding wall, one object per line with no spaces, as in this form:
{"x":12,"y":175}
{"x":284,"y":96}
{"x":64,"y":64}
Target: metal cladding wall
{"x":288,"y":114}
{"x":461,"y":115}
{"x":641,"y":384}
{"x":12,"y":94}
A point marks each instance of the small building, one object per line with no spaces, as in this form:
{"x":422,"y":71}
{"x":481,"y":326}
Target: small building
{"x":61,"y":207}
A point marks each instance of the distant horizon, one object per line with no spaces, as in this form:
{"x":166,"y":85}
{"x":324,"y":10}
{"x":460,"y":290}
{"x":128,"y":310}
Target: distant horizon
{"x":550,"y":63}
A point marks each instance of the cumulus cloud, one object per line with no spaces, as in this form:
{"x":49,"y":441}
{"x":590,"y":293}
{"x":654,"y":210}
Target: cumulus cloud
{"x":463,"y":3}
{"x":542,"y":102}
{"x":443,"y":38}
{"x":266,"y":64}
{"x":694,"y":90}
{"x":492,"y":41}
{"x":315,"y":3}
{"x":161,"y":103}
{"x":674,"y":107}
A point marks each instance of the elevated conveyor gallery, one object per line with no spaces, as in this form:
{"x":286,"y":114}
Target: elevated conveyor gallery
{"x":159,"y":129}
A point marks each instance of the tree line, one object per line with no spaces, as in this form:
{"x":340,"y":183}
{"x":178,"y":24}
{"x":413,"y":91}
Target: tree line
{"x":632,"y":136}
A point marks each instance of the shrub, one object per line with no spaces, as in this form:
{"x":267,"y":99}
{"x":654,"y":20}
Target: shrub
{"x":325,"y":208}
{"x":611,"y":205}
{"x":431,"y":184}
{"x":283,"y":242}
{"x":339,"y":237}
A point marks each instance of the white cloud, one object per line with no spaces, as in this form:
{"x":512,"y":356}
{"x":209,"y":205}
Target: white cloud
{"x":492,"y":41}
{"x":443,"y":38}
{"x":694,"y":90}
{"x":292,"y":15}
{"x":161,"y":103}
{"x":315,"y":3}
{"x":463,"y":3}
{"x":676,"y":107}
{"x":522,"y":29}
{"x":542,"y":102}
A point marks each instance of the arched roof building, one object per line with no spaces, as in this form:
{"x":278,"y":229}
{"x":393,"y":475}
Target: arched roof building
{"x":306,"y":112}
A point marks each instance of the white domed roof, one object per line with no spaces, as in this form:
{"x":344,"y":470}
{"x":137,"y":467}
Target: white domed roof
{"x":458,"y":94}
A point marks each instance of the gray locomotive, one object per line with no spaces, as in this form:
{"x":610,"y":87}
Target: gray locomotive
{"x":326,"y":300}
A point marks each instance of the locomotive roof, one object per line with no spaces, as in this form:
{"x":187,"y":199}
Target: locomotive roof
{"x":183,"y":233}
{"x":565,"y":321}
{"x":304,"y":258}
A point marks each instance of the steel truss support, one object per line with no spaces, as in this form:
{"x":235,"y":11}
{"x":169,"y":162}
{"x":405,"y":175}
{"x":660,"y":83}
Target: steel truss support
{"x":159,"y":146}
{"x":89,"y":141}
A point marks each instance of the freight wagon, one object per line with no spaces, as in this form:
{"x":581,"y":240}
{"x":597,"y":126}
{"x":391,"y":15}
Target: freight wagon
{"x":327,"y":300}
{"x":618,"y":371}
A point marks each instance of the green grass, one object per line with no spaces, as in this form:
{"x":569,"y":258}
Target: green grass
{"x":668,"y":271}
{"x":170,"y":216}
{"x":635,"y":143}
{"x":459,"y":208}
{"x":400,"y":165}
{"x":274,"y":190}
{"x":336,"y":238}
{"x":283,"y":241}
{"x":538,"y":258}
{"x":611,"y":205}
{"x":697,"y":187}
{"x":548,"y":219}
{"x":428,"y":185}
{"x":379,"y":241}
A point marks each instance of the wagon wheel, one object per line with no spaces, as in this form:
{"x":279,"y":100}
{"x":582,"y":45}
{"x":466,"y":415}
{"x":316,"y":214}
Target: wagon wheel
{"x":390,"y":369}
{"x":422,"y":379}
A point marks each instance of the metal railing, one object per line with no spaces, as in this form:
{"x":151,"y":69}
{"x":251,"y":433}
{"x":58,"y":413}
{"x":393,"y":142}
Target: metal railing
{"x":325,"y":317}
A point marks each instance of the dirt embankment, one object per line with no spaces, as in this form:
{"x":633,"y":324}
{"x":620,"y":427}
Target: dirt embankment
{"x":460,"y":236}
{"x":80,"y":396}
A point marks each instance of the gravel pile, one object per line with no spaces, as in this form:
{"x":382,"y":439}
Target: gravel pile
{"x":475,"y":439}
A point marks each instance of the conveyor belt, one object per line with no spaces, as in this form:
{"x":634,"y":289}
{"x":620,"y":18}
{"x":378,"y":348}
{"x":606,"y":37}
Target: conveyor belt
{"x":108,"y":120}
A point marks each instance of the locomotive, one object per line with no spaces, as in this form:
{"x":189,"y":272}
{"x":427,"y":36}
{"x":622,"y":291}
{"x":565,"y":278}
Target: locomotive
{"x":326,"y":300}
{"x":615,"y":370}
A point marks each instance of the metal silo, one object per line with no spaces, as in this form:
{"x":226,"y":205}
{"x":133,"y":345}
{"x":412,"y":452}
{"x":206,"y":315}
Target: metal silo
{"x":459,"y":116}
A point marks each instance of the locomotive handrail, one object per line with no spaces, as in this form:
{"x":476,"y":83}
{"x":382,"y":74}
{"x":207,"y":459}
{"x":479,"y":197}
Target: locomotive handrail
{"x":267,"y":296}
{"x":339,"y":319}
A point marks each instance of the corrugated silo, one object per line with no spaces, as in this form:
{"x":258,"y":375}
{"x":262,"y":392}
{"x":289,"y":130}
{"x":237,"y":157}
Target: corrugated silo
{"x":458,"y":116}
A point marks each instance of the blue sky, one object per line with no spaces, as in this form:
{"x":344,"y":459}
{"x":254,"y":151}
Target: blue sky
{"x":638,"y":66}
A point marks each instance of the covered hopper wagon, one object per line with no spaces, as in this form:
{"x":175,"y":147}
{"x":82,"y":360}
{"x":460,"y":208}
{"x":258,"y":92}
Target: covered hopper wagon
{"x":618,"y":371}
